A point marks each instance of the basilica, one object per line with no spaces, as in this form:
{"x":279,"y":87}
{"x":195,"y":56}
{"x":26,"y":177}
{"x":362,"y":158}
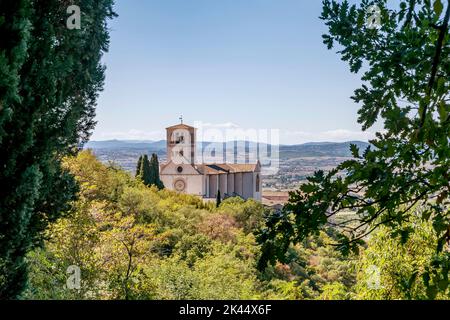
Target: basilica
{"x":181,"y":172}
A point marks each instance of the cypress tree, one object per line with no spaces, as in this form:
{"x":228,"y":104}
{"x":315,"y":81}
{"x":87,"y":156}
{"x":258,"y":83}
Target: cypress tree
{"x":50,"y":77}
{"x":218,"y":199}
{"x":152,"y":173}
{"x":154,"y":164}
{"x":149,"y":171}
{"x":138,"y":167}
{"x":145,"y":171}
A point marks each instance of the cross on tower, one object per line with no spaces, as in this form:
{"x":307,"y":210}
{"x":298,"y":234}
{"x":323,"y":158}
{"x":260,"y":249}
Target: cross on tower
{"x":181,"y":119}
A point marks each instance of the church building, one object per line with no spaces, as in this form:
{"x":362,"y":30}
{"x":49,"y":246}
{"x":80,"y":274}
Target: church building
{"x":181,"y":172}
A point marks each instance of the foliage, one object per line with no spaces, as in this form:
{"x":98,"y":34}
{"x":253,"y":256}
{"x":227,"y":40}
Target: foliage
{"x":137,"y":242}
{"x":218,"y":199}
{"x":403,"y":268}
{"x":406,"y":82}
{"x":334,"y":291}
{"x":249,"y":215}
{"x":50,"y":77}
{"x":138,"y":166}
{"x":309,"y":270}
{"x":148,"y":171}
{"x":154,"y":164}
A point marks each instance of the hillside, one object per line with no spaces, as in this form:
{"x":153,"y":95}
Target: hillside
{"x":130,"y":241}
{"x":310,"y":149}
{"x":135,"y":242}
{"x":126,"y":152}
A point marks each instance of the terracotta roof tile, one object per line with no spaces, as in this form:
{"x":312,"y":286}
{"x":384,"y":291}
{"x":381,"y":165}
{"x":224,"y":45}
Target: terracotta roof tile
{"x":181,"y":125}
{"x":222,"y":168}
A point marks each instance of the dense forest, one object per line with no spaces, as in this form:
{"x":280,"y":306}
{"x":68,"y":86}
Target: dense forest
{"x":132,"y":241}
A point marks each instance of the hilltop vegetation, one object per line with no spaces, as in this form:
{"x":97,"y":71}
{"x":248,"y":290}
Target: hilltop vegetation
{"x":137,"y":242}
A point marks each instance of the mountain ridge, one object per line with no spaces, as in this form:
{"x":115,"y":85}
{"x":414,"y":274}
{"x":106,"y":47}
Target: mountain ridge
{"x":309,"y":149}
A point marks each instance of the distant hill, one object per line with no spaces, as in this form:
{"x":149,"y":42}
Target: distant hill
{"x":126,"y":144}
{"x":320,"y":149}
{"x":310,"y":149}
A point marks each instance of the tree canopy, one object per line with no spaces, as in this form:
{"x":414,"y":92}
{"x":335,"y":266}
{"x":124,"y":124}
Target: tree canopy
{"x":50,"y":77}
{"x":405,"y":66}
{"x":132,"y":241}
{"x":148,"y":171}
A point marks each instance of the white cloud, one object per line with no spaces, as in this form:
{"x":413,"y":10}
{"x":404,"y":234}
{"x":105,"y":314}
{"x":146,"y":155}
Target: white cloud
{"x":135,"y":134}
{"x":209,"y":125}
{"x":285,"y":137}
{"x":337,"y":135}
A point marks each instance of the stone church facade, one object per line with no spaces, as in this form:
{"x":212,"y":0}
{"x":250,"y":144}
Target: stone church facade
{"x":182,"y":174}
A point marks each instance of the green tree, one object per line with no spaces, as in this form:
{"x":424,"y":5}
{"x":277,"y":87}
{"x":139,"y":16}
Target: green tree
{"x":406,"y":79}
{"x":154,"y":165}
{"x":402,"y":268}
{"x":146,"y":173}
{"x":72,"y":241}
{"x":218,"y":199}
{"x":50,"y":77}
{"x":334,"y":291}
{"x":138,"y":167}
{"x":247,"y":213}
{"x":312,"y":270}
{"x":127,"y":245}
{"x":149,"y":171}
{"x":135,"y":242}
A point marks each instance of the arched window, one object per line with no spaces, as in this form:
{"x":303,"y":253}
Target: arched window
{"x":257,"y":183}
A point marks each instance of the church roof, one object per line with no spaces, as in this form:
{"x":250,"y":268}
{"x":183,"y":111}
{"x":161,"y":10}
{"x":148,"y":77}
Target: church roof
{"x":210,"y":169}
{"x":180,"y":126}
{"x":223,"y":168}
{"x":244,"y":167}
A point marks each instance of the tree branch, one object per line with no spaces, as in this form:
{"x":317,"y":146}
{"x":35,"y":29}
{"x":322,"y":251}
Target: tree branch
{"x":436,"y":60}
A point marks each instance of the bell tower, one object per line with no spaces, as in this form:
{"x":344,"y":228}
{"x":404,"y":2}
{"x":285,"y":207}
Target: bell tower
{"x":181,"y":143}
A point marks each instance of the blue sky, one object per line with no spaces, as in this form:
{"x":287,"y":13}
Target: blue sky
{"x":250,"y":63}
